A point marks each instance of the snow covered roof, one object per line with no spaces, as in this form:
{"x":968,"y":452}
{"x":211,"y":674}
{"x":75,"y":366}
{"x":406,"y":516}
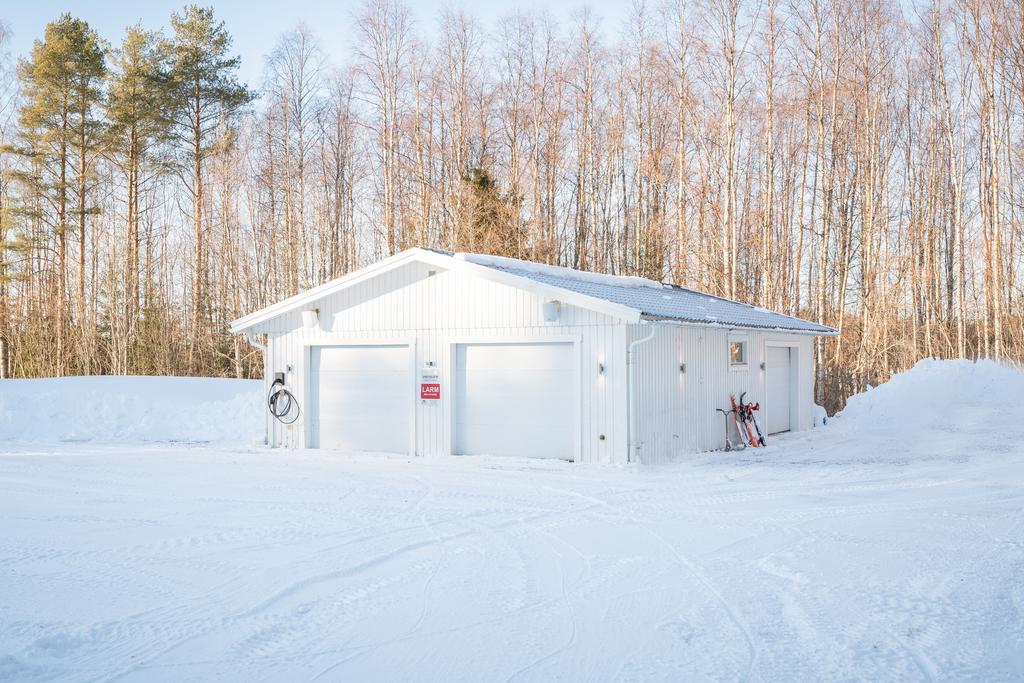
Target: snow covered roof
{"x":654,"y":300}
{"x":630,"y":298}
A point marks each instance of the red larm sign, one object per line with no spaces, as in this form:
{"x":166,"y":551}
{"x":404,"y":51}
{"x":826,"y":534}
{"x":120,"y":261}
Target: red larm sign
{"x":430,"y":391}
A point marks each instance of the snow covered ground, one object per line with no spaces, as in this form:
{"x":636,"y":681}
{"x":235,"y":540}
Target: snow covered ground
{"x":886,"y":546}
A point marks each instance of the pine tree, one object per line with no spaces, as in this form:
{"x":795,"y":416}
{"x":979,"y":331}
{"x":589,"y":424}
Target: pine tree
{"x":89,"y":78}
{"x":6,"y":102}
{"x":206,"y":93}
{"x":137,"y":106}
{"x":61,"y":88}
{"x":487,"y":216}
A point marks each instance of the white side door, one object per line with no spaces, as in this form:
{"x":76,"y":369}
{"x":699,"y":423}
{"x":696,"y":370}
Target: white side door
{"x":515,"y":399}
{"x":361,"y":398}
{"x":779,"y":389}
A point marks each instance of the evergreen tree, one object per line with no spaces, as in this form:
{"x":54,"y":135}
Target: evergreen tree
{"x":61,"y":85}
{"x":7,"y":89}
{"x":206,"y":93}
{"x":488,"y":225}
{"x":137,"y":107}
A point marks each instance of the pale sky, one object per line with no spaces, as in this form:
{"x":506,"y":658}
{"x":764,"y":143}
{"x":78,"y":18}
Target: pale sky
{"x":256,"y":24}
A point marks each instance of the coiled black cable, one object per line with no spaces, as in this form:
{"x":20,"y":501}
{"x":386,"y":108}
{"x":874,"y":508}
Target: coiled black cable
{"x":281,"y":403}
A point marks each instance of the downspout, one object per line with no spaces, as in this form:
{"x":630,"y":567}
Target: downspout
{"x":251,"y":339}
{"x":631,"y":371}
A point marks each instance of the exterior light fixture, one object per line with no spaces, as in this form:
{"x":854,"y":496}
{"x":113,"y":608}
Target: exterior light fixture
{"x":551,"y":311}
{"x":600,"y":368}
{"x":682,"y":368}
{"x":311,"y":318}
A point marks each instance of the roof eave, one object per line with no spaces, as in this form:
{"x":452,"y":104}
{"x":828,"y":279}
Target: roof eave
{"x":827,"y":332}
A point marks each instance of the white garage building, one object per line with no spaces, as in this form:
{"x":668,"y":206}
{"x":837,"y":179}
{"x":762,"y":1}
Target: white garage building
{"x":432,"y":353}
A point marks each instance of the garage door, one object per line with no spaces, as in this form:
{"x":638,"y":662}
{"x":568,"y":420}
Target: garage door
{"x":779,"y":392}
{"x":361,"y":398}
{"x":515,"y":399}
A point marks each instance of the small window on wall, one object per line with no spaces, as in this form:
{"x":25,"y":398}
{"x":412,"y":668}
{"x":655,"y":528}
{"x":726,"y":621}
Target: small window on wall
{"x":737,"y":352}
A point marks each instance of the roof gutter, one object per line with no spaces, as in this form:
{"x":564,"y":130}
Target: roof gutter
{"x":251,"y":338}
{"x":827,"y":332}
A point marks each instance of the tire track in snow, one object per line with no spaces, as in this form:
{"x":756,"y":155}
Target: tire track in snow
{"x":698,"y":573}
{"x":668,"y":509}
{"x":430,"y":528}
{"x":468,"y":626}
{"x":729,"y":608}
{"x":566,"y":597}
{"x":310,"y":581}
{"x":921,"y":662}
{"x":695,"y":570}
{"x":218,"y":592}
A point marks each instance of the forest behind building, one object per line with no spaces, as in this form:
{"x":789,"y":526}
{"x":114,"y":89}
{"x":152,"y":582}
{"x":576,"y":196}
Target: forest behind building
{"x":859,"y":163}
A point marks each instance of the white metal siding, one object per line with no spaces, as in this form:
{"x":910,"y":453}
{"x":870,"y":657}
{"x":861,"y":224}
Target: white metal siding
{"x":435,"y":313}
{"x":676,"y":411}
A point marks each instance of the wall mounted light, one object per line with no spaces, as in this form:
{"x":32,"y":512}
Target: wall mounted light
{"x":551,"y":311}
{"x":682,"y":368}
{"x":311,"y":318}
{"x":600,"y":368}
{"x":762,"y":365}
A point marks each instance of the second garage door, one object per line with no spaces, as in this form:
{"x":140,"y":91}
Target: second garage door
{"x":515,"y":399}
{"x":779,"y":389}
{"x":361,"y":398}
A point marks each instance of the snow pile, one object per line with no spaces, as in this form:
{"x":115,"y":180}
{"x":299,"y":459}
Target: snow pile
{"x":948,"y":394}
{"x":557,"y":271}
{"x":937,"y":409}
{"x":131,"y":409}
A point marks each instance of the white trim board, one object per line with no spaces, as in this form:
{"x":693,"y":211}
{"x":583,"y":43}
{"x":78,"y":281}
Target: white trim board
{"x":443,"y":261}
{"x":448,"y":261}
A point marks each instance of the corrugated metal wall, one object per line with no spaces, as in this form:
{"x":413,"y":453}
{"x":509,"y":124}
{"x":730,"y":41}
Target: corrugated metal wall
{"x":676,"y":410}
{"x":435,"y":313}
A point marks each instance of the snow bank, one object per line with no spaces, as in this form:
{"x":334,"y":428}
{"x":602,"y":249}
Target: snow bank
{"x":939,"y":409}
{"x":558,"y":271}
{"x":951,"y":394}
{"x":131,"y":410}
